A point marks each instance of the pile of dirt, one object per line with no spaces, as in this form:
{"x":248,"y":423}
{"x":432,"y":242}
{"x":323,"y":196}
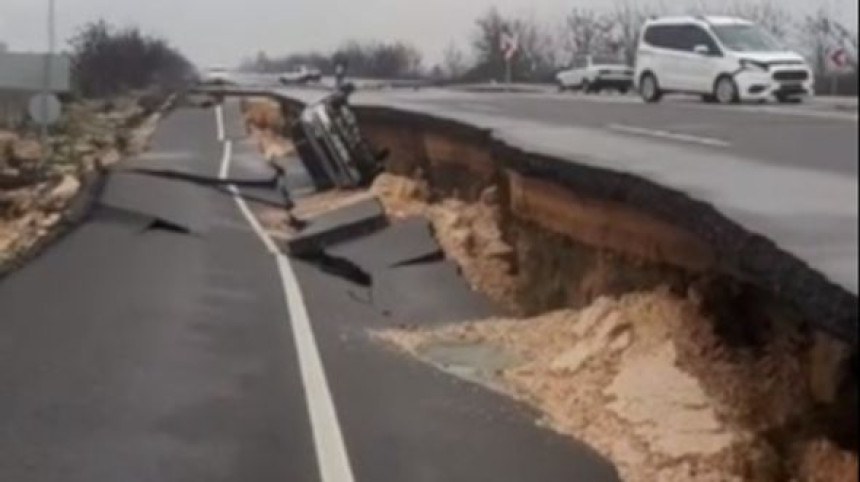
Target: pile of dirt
{"x":38,"y":181}
{"x":267,"y":126}
{"x":645,"y":380}
{"x":469,"y":233}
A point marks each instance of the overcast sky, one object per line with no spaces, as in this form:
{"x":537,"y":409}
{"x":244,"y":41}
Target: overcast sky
{"x":221,"y":32}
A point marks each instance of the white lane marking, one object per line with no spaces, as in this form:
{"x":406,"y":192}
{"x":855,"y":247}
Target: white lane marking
{"x":270,"y":245}
{"x":332,"y":458}
{"x":675,"y":136}
{"x":219,"y":122}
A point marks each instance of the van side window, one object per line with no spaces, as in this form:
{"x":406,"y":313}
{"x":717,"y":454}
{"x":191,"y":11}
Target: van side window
{"x":656,"y":36}
{"x":695,"y":35}
{"x":673,"y":37}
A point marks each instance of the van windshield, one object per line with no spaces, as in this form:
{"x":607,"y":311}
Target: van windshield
{"x":746,"y":38}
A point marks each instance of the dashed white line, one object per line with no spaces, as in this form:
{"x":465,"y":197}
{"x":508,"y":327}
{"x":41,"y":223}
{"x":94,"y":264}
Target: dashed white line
{"x":219,"y":123}
{"x":674,"y":136}
{"x":332,"y":458}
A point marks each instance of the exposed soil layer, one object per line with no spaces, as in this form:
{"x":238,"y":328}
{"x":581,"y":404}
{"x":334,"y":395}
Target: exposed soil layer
{"x":684,"y":377}
{"x":645,"y":379}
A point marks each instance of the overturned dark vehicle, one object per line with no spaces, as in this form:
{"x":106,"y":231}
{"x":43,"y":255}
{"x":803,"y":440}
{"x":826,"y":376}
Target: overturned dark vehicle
{"x":331,"y":146}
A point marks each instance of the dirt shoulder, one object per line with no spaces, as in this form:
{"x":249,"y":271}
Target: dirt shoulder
{"x":38,"y":182}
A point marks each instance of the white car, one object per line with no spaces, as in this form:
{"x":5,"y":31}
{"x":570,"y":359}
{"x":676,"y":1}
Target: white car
{"x":216,"y":76}
{"x":301,"y":75}
{"x":594,"y":74}
{"x":723,"y":59}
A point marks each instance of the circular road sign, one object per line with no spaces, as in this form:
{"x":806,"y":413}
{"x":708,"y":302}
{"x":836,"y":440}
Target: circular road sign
{"x":45,"y":108}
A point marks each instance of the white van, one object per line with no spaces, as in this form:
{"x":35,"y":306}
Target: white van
{"x":723,"y":59}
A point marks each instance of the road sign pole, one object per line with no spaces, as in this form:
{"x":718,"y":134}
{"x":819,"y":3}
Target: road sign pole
{"x":46,"y":80}
{"x":508,"y":72}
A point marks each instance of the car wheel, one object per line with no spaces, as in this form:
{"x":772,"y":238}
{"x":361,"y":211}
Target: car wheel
{"x":649,"y":88}
{"x":726,"y":91}
{"x":586,"y":87}
{"x":623,"y":90}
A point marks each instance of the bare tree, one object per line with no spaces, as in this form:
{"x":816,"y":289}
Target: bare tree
{"x":107,"y":61}
{"x":587,"y":32}
{"x":489,"y":59}
{"x":454,"y":63}
{"x":770,"y":14}
{"x":626,"y":20}
{"x":536,"y":59}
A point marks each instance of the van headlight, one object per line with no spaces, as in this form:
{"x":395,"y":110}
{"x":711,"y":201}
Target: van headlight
{"x":754,"y":66}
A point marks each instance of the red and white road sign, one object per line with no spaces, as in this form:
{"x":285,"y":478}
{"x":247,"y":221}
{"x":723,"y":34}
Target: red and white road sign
{"x":509,"y":45}
{"x":839,"y":58}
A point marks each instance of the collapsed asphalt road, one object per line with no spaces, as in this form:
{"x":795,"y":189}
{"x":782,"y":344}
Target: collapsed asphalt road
{"x":165,"y":339}
{"x":786,"y":173}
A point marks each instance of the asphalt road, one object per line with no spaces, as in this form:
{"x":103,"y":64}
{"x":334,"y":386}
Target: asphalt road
{"x":164,"y":340}
{"x":786,"y":172}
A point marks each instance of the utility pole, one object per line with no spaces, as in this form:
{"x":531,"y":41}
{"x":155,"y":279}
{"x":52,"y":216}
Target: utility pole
{"x":48,"y":73}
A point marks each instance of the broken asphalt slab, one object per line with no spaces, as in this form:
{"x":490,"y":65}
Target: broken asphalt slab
{"x":335,"y":226}
{"x":403,"y":242}
{"x":172,"y":201}
{"x":428,"y":293}
{"x":401,"y":265}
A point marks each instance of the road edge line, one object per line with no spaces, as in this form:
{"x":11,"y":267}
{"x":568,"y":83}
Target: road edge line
{"x":332,"y":458}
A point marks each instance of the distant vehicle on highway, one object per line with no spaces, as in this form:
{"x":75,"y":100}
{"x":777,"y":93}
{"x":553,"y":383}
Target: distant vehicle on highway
{"x":301,"y":75}
{"x":216,"y":76}
{"x":594,"y":74}
{"x":723,"y":59}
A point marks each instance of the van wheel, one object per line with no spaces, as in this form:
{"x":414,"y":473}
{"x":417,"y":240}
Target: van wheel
{"x":649,"y":88}
{"x":726,"y":90}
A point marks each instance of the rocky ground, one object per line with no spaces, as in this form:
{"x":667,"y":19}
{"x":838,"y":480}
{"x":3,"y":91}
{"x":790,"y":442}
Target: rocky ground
{"x":37,"y":181}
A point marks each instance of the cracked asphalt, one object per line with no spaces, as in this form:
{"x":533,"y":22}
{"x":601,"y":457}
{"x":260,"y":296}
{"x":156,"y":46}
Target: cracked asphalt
{"x":158,"y":342}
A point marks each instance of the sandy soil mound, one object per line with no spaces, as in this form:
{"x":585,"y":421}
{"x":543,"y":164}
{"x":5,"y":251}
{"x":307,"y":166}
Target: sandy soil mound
{"x":623,"y":376}
{"x":266,"y":125}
